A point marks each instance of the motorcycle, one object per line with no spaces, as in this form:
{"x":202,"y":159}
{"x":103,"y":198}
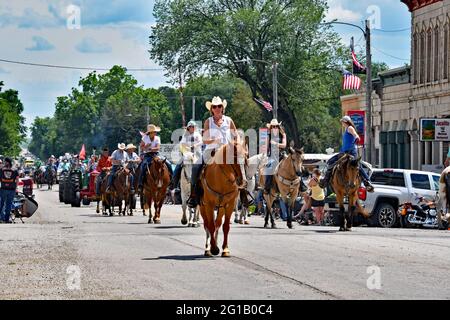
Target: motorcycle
{"x":423,"y":213}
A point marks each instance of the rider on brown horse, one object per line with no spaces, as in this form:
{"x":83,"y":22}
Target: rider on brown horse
{"x":119,"y":159}
{"x":150,"y":146}
{"x":349,"y":140}
{"x":133,"y":162}
{"x":219,"y":130}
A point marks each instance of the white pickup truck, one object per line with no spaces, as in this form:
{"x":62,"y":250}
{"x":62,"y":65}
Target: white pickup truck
{"x":394,"y":187}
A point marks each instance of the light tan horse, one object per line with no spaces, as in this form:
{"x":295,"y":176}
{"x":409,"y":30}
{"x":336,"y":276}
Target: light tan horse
{"x":221,"y":180}
{"x":286,"y":182}
{"x":345,"y":182}
{"x":156,"y":182}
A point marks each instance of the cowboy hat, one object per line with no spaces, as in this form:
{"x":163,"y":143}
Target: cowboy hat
{"x":274,"y":123}
{"x":216,"y":101}
{"x":192,"y":123}
{"x":121,"y":146}
{"x":130,"y":146}
{"x":152,"y":128}
{"x":346,"y":119}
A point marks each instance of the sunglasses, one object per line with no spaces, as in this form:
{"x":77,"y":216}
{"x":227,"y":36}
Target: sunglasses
{"x":216,"y":107}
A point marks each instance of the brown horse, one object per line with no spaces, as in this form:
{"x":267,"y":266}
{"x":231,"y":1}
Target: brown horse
{"x":104,"y":198}
{"x":121,"y":190}
{"x":156,"y":182}
{"x":345,"y":182}
{"x":286,"y":182}
{"x":220,"y":181}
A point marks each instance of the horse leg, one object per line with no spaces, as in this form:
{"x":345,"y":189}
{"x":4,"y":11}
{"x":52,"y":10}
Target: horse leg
{"x":206,"y":226}
{"x":215,"y":238}
{"x":236,"y":213}
{"x":226,"y":230}
{"x":184,"y":220}
{"x":149,"y":205}
{"x":98,"y":207}
{"x":267,"y":211}
{"x":289,"y":208}
{"x":351,"y":211}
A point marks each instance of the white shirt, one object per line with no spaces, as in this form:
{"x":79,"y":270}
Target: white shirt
{"x":121,"y":156}
{"x":153,"y":144}
{"x":223,"y":133}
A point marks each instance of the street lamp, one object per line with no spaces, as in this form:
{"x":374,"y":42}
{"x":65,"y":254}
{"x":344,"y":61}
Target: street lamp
{"x":274,"y":81}
{"x":368,"y":84}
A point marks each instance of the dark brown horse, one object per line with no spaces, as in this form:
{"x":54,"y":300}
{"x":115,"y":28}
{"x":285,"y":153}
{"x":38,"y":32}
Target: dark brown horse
{"x":345,"y":183}
{"x":157,"y":180}
{"x":121,"y":190}
{"x":221,"y":180}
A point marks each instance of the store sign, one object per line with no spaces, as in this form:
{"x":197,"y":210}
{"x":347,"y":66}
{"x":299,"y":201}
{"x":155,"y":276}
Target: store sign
{"x":358,"y":118}
{"x":435,"y":129}
{"x":263,"y":136}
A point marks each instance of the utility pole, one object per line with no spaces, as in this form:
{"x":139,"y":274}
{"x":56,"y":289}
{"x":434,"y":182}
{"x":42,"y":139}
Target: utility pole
{"x":369,"y":155}
{"x":193,"y":108}
{"x":183,"y":113}
{"x":275,"y":89}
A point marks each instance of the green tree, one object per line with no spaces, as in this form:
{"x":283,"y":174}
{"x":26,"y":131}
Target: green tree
{"x":209,"y":36}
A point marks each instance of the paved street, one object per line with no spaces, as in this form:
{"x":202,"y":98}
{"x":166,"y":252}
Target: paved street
{"x":126,"y":258}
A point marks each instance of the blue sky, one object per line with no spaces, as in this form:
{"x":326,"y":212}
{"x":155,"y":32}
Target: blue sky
{"x":116,"y":32}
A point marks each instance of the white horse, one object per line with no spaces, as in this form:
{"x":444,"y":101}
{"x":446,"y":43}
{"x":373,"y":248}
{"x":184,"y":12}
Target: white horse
{"x":185,"y":184}
{"x":253,"y":166}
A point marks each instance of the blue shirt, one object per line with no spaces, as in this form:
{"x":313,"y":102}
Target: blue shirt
{"x":348,"y":142}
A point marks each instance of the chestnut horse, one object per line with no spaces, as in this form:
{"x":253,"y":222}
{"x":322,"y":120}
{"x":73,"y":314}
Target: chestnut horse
{"x":156,"y":182}
{"x":220,"y":181}
{"x":345,"y":182}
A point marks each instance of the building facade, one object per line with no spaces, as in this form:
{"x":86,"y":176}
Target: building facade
{"x":403,"y":96}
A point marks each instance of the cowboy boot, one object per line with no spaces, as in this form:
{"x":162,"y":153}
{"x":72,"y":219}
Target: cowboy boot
{"x":323,"y":183}
{"x":368,"y":185}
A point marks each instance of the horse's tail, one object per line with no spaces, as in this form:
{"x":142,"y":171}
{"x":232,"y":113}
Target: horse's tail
{"x":361,"y":210}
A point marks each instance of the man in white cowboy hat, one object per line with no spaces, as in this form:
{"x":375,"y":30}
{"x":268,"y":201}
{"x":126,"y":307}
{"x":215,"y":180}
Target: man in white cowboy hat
{"x":191,"y":141}
{"x":150,"y":146}
{"x":276,"y":142}
{"x":218,"y":130}
{"x":119,"y":158}
{"x":349,"y":145}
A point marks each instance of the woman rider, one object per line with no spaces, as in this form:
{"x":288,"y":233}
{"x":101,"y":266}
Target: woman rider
{"x":150,"y":146}
{"x":276,"y":142}
{"x":218,"y":130}
{"x":349,"y":140}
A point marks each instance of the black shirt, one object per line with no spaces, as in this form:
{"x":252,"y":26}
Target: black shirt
{"x":8,"y":178}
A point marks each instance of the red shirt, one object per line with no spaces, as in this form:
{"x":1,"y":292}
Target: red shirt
{"x":104,"y":162}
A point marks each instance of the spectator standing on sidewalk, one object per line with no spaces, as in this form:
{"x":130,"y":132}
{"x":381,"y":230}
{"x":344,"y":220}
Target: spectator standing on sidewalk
{"x":317,"y":197}
{"x":9,"y":179}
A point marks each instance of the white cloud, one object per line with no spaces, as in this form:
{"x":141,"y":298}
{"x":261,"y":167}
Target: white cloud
{"x":343,"y":15}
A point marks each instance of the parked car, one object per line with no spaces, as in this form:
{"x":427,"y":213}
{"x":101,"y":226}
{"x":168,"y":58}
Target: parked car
{"x":393,"y":187}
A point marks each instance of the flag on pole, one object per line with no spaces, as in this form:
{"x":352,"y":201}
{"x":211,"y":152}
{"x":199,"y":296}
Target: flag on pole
{"x":265,"y":104}
{"x":358,"y":68}
{"x":82,"y":153}
{"x":351,"y":82}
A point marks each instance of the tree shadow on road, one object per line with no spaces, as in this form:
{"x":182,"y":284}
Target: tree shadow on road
{"x":179,"y":258}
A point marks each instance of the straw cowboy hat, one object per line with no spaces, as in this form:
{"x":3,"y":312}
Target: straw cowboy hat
{"x":216,"y":101}
{"x":121,"y":146}
{"x":274,"y":123}
{"x":130,"y":146}
{"x":152,"y":128}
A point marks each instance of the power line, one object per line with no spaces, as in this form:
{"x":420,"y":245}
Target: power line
{"x":72,"y":67}
{"x":398,"y":30}
{"x":390,"y":55}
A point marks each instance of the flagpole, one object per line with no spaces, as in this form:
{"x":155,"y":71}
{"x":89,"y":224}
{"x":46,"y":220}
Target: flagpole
{"x":369,"y":157}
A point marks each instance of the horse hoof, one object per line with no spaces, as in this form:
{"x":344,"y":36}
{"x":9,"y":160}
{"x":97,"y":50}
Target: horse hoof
{"x":246,"y":222}
{"x":290,"y":226}
{"x":150,"y":221}
{"x":190,"y":225}
{"x":208,"y":253}
{"x":266,"y":225}
{"x":226,"y":254}
{"x":158,"y":221}
{"x":274,"y":226}
{"x":236,"y":220}
{"x":348,"y":229}
{"x":341,"y":229}
{"x":215,"y":251}
{"x":183,"y":222}
{"x":241,"y":222}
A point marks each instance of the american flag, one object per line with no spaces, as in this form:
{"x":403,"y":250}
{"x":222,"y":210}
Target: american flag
{"x":265,"y":104}
{"x":357,"y":67}
{"x":351,"y":82}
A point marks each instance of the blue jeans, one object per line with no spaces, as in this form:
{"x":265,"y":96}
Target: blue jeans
{"x":283,"y":208}
{"x":336,"y":157}
{"x":6,"y":201}
{"x":112,"y":174}
{"x":148,"y":158}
